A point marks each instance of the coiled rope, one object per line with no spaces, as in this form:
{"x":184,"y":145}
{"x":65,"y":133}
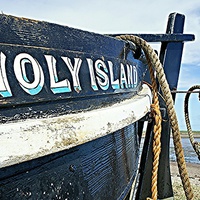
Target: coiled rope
{"x":195,"y":144}
{"x":153,"y":61}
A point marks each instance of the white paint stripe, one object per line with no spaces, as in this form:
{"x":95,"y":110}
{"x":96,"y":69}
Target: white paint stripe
{"x":33,"y":138}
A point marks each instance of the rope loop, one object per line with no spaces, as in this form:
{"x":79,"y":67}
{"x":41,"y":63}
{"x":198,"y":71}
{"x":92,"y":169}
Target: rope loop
{"x":195,"y":144}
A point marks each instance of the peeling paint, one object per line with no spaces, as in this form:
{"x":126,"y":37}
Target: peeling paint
{"x":33,"y":138}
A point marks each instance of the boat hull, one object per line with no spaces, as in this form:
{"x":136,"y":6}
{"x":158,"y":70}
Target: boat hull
{"x":70,"y":104}
{"x":101,"y":169}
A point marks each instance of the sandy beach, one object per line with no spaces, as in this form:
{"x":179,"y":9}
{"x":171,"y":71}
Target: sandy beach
{"x":194,"y":174}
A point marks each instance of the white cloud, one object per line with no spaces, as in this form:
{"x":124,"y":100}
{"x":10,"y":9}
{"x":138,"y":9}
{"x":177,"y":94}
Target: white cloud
{"x":114,"y":16}
{"x":102,"y":15}
{"x":189,"y":76}
{"x":191,"y":52}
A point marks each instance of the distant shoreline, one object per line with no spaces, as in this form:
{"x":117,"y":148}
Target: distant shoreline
{"x":184,"y":134}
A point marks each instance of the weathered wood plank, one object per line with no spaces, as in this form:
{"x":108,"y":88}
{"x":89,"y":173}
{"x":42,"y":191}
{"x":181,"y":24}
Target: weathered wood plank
{"x":47,"y":68}
{"x":88,"y":171}
{"x":30,"y":32}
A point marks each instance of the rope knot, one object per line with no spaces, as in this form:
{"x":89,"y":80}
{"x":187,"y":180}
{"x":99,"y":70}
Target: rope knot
{"x":155,"y":110}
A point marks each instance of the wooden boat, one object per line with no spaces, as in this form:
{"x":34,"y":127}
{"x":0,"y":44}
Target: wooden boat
{"x":73,"y":106}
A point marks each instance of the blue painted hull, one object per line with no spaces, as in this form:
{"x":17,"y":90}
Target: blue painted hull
{"x":101,"y":169}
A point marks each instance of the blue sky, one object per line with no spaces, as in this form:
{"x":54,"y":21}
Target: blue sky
{"x":127,"y":16}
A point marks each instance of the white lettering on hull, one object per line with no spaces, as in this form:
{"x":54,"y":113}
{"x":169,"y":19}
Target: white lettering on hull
{"x":20,"y":62}
{"x":4,"y":85}
{"x":103,"y":75}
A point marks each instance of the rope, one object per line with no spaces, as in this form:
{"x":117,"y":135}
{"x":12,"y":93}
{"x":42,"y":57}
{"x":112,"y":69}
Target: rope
{"x":195,"y":144}
{"x":156,"y":149}
{"x":155,"y":62}
{"x":155,"y":110}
